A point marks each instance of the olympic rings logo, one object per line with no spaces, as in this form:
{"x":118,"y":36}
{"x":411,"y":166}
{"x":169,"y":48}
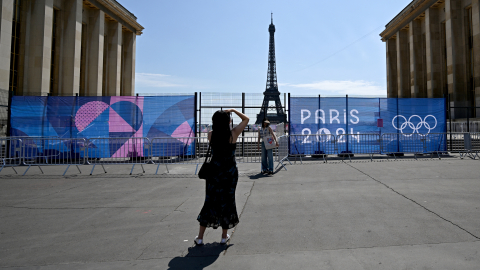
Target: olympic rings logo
{"x":408,"y":123}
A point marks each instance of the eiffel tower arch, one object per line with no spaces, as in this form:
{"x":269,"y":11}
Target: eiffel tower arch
{"x":274,"y":114}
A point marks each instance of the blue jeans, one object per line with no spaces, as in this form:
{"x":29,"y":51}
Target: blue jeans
{"x":267,"y":159}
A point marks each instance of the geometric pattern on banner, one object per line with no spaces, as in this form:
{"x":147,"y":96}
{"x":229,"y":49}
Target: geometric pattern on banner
{"x":102,"y":117}
{"x":184,"y":130}
{"x":118,"y":123}
{"x":129,"y":112}
{"x":88,"y":113}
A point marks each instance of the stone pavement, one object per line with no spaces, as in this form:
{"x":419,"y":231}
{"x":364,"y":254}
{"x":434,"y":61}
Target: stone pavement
{"x":402,"y":214}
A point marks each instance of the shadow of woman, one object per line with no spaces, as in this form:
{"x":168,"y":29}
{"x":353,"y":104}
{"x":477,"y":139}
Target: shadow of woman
{"x":198,"y":257}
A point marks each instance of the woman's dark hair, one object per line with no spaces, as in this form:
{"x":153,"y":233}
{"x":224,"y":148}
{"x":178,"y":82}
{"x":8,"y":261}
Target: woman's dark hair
{"x":221,"y":135}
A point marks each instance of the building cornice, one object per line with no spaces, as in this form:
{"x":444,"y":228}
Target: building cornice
{"x":122,"y":13}
{"x":409,"y":13}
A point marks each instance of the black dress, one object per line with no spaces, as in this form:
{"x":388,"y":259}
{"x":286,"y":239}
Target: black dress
{"x":219,"y":208}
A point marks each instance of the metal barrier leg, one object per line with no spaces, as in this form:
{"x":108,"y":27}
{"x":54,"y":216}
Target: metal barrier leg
{"x":78,"y":169}
{"x":92,"y":169}
{"x":131,"y":171}
{"x":157,"y":169}
{"x":104,"y":169}
{"x":141,"y":165}
{"x":196,"y":169}
{"x":14,"y":170}
{"x":2,"y":168}
{"x":281,"y":163}
{"x":66,"y":170}
{"x":27,"y":169}
{"x":167,"y":168}
{"x":371,"y":157}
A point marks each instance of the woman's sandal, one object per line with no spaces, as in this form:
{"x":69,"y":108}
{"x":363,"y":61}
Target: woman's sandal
{"x":198,"y":242}
{"x":225,"y":240}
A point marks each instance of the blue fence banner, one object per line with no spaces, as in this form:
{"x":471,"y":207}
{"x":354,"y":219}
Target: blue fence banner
{"x":312,"y":116}
{"x":122,"y":117}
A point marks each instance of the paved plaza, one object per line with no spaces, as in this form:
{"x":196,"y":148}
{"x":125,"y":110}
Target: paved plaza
{"x":403,"y":214}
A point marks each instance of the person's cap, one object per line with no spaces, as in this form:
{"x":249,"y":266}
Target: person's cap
{"x":266,"y":121}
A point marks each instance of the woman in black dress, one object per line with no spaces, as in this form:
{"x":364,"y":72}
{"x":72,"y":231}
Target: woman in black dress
{"x":219,"y":209}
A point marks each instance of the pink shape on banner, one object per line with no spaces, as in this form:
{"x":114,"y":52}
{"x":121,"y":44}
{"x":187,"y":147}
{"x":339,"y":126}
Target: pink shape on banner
{"x":184,"y":130}
{"x":89,"y":112}
{"x":132,"y":147}
{"x":116,"y":123}
{"x":135,"y":100}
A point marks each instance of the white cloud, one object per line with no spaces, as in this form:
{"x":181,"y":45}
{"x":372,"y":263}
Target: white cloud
{"x":341,"y":88}
{"x":156,"y":80}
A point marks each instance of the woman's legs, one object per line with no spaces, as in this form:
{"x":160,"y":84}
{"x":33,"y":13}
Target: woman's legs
{"x":224,"y":233}
{"x":270,"y":159}
{"x":264,"y":158}
{"x":201,"y":232}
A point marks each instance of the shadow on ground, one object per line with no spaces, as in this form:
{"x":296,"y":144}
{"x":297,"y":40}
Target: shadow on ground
{"x":198,"y":257}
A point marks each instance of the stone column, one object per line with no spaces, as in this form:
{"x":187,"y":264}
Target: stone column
{"x":392,"y":81}
{"x":416,"y":59}
{"x":71,"y":47}
{"x":94,"y":68}
{"x":403,"y":65}
{"x":114,"y":59}
{"x":434,"y":54}
{"x":38,"y":48}
{"x":6,"y":17}
{"x":476,"y":51}
{"x":129,"y":47}
{"x":455,"y":34}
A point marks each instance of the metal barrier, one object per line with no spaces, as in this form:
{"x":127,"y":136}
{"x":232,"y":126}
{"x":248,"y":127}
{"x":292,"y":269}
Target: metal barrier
{"x":47,"y":151}
{"x":435,"y":143}
{"x":470,"y":145}
{"x":282,"y":151}
{"x":10,"y":152}
{"x":413,"y":143}
{"x":53,"y":151}
{"x":319,"y":145}
{"x":359,"y":144}
{"x":118,"y":151}
{"x":249,"y":151}
{"x":192,"y":150}
{"x":184,"y":150}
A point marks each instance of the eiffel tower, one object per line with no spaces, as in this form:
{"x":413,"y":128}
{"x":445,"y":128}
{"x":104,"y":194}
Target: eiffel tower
{"x":271,"y":93}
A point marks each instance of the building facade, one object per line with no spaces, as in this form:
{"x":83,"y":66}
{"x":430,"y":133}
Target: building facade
{"x":67,"y":47}
{"x":433,"y":50}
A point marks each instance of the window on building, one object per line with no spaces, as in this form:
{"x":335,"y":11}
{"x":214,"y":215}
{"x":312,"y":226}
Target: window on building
{"x":443,"y":31}
{"x":470,"y":60}
{"x":122,"y":67}
{"x":83,"y":60}
{"x":53,"y":60}
{"x":105,"y":63}
{"x":15,"y":50}
{"x":424,"y":65}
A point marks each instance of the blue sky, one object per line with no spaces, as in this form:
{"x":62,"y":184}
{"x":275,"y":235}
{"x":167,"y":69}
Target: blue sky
{"x":322,"y":47}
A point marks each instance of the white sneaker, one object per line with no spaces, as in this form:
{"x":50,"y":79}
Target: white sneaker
{"x":225,"y":240}
{"x":198,"y":242}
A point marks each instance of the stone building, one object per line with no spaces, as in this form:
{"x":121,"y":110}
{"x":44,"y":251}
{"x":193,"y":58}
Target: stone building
{"x":433,"y":50}
{"x":67,"y":47}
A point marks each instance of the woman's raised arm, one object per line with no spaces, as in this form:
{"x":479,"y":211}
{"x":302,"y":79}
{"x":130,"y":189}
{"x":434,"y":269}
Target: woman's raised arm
{"x":240,"y":127}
